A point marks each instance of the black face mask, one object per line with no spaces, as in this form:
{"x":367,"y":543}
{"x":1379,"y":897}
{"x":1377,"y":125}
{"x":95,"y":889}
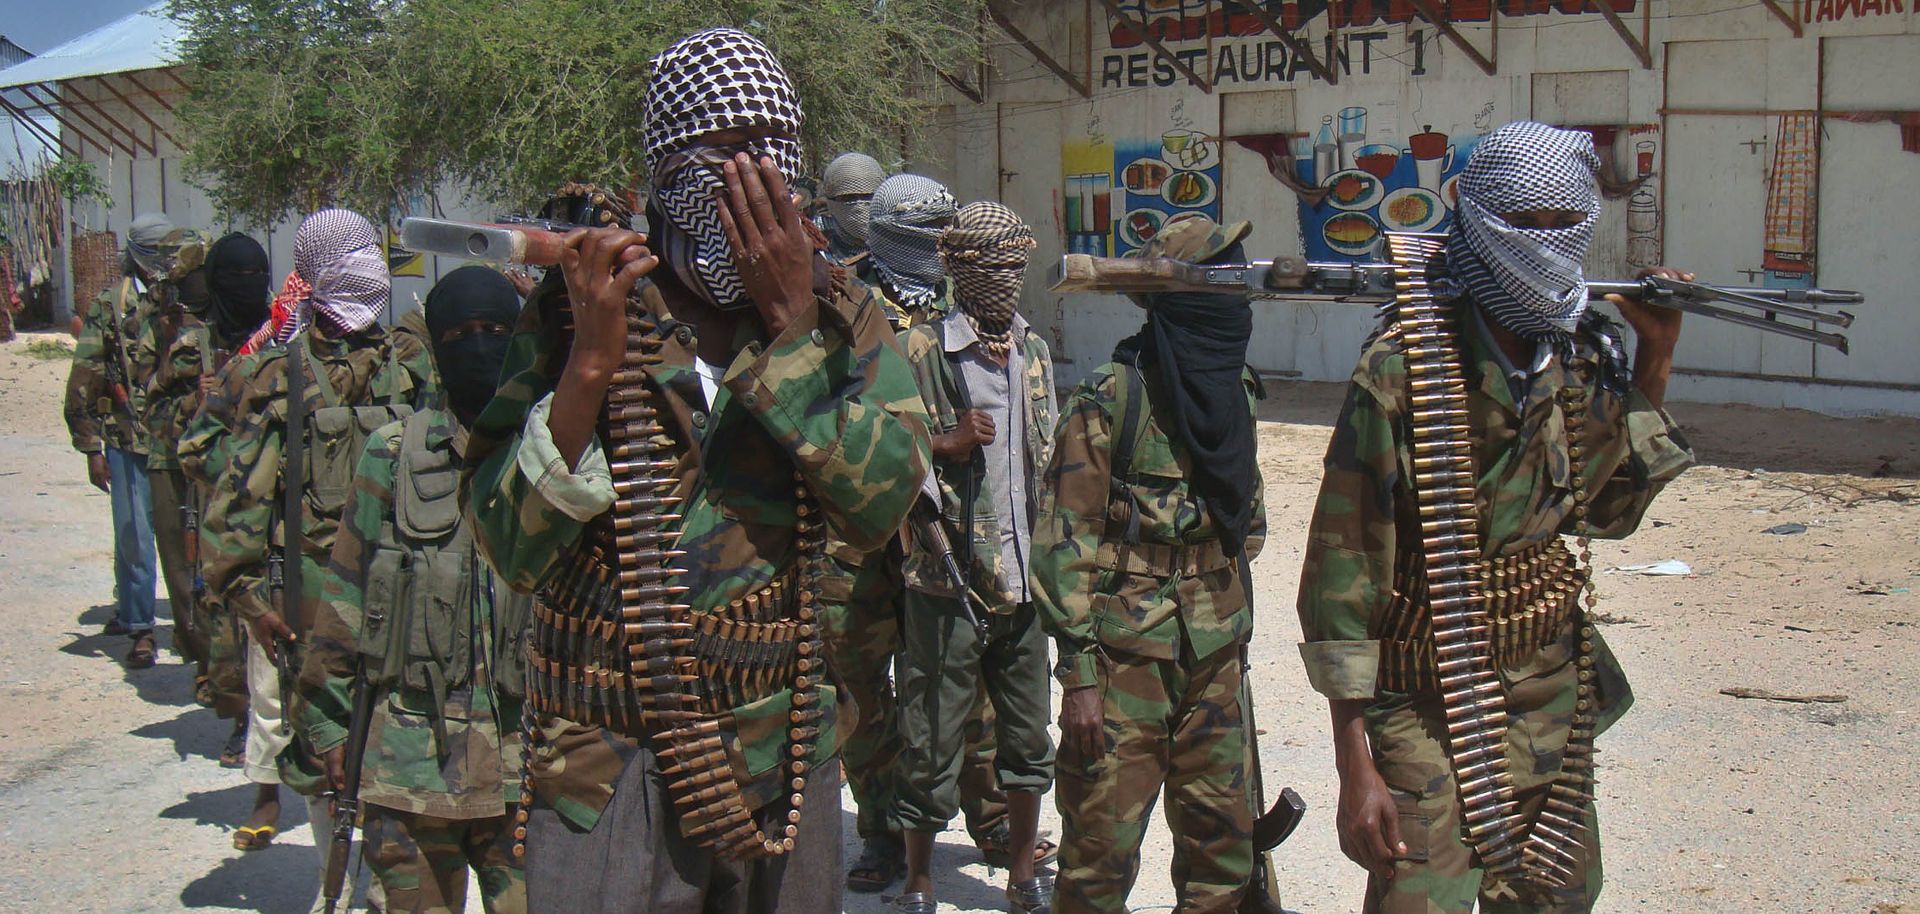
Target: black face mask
{"x":470,"y":364}
{"x":237,"y":288}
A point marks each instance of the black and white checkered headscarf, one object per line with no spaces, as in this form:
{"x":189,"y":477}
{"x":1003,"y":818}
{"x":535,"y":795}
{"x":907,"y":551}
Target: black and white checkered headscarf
{"x":986,"y":253}
{"x":340,"y":254}
{"x":846,"y":186}
{"x":908,"y":215}
{"x":717,"y":79}
{"x":1530,"y":280}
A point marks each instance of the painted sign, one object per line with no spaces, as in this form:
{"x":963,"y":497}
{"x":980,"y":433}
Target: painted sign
{"x":1374,"y":183}
{"x":1119,"y":191}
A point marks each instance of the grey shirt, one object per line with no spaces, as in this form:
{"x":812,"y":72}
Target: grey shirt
{"x":1000,"y":392}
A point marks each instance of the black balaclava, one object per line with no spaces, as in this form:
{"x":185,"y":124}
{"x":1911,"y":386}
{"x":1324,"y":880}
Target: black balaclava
{"x":470,"y":365}
{"x":1195,"y":343}
{"x":239,"y":285}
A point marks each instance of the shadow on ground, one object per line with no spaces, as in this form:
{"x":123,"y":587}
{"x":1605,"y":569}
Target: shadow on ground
{"x":275,"y":880}
{"x":195,"y":733}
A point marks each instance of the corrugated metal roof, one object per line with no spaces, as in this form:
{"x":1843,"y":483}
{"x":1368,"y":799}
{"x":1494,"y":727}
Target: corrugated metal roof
{"x":142,"y":41}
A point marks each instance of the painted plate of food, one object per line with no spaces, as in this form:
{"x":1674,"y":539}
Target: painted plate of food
{"x":1138,"y":227}
{"x":1145,"y":175}
{"x":1450,"y":192}
{"x":1351,"y":233}
{"x":1188,"y":189}
{"x":1353,"y":189}
{"x":1411,"y":209}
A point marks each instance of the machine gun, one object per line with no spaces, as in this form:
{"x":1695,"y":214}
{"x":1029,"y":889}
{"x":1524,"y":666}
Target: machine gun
{"x":1296,"y":279}
{"x":932,"y":531}
{"x":527,"y":240}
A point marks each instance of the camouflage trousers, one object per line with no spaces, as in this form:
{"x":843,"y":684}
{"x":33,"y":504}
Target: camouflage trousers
{"x":422,"y":862}
{"x":170,"y":490}
{"x":861,"y":609}
{"x":1174,"y":725}
{"x":1443,"y":875}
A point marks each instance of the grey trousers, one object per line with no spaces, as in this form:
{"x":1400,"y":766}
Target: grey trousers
{"x":635,"y":860}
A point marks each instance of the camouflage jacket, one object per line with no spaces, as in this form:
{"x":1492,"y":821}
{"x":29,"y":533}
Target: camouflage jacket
{"x":928,"y":347}
{"x":103,"y":357}
{"x":1366,"y":514}
{"x":829,"y":399}
{"x":1174,"y":586}
{"x":423,"y":755}
{"x":238,"y":437}
{"x":170,"y":347}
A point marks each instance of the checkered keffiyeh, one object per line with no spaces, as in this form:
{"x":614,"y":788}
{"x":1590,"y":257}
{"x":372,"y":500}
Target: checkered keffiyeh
{"x":846,"y":187}
{"x":986,"y":253}
{"x":717,"y":79}
{"x":905,"y":222}
{"x":1529,"y":280}
{"x":340,"y":256}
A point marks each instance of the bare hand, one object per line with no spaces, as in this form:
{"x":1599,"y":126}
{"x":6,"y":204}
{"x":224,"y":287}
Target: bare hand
{"x":336,"y":764}
{"x":771,"y":249}
{"x":601,"y":267}
{"x":269,"y":630}
{"x":1369,"y":822}
{"x":1082,"y":723}
{"x":974,"y":430}
{"x":1653,"y":326}
{"x":208,"y":384}
{"x":522,"y":281}
{"x":99,"y":473}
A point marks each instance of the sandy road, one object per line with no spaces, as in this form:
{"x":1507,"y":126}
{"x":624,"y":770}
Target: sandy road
{"x":110,"y":799}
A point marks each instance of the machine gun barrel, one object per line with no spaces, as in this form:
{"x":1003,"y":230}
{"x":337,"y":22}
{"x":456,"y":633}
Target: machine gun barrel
{"x":510,"y":239}
{"x":1294,"y":278}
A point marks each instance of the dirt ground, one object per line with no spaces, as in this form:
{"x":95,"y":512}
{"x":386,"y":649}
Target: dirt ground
{"x":110,"y":799}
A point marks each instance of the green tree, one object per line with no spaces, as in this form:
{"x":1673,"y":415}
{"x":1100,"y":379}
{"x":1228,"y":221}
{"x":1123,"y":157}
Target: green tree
{"x":362,"y":102}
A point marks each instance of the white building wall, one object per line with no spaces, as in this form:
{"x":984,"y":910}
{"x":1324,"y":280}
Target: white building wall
{"x":1707,"y":124}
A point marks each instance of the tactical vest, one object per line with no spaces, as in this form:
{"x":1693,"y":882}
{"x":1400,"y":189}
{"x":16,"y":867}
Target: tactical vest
{"x":426,"y":583}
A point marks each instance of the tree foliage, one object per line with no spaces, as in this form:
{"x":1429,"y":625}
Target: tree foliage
{"x":361,"y":103}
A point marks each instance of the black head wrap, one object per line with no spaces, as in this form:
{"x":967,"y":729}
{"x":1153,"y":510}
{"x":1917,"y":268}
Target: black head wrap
{"x":470,"y":365}
{"x":239,"y":286}
{"x":1194,"y":345}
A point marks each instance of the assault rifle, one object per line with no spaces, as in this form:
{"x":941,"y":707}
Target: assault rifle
{"x":190,"y":526}
{"x":346,"y":801}
{"x":930,"y":529}
{"x":282,"y":651}
{"x":1296,"y":279}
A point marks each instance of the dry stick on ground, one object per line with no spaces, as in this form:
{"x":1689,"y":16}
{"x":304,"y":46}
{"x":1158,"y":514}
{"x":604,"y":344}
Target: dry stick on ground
{"x":1770,"y":695}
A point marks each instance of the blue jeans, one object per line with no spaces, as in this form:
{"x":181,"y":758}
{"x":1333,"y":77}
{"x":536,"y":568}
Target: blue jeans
{"x":133,"y":567}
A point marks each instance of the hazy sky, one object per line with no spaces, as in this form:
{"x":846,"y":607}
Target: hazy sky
{"x":39,"y":25}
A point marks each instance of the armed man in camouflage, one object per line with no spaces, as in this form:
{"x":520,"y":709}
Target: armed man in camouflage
{"x":180,"y":309}
{"x":1140,"y":555}
{"x":1561,"y":440}
{"x":106,"y":406}
{"x":987,"y":378}
{"x":234,"y":307}
{"x":661,"y":465}
{"x":410,"y":612}
{"x":338,"y":375}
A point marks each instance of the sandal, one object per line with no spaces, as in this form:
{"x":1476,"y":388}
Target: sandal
{"x":1034,"y":896}
{"x":253,"y":838}
{"x":881,"y":862}
{"x":234,"y":753}
{"x":142,"y":654}
{"x":203,"y":690}
{"x":915,"y":903}
{"x":994,"y":847}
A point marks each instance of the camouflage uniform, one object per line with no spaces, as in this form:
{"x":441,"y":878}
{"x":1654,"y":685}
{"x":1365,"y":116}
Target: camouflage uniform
{"x":241,"y":431}
{"x":1366,"y":521}
{"x":174,"y":371}
{"x":190,"y":356}
{"x":829,"y":400}
{"x":100,"y":423}
{"x":1156,"y":622}
{"x":441,"y":763}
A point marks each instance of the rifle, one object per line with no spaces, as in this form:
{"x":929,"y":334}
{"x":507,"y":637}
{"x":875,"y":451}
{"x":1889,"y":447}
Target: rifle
{"x":930,"y":529}
{"x":509,"y":239}
{"x":346,"y":802}
{"x":190,"y":525}
{"x":1277,"y":823}
{"x":1296,"y":279}
{"x":282,"y":652}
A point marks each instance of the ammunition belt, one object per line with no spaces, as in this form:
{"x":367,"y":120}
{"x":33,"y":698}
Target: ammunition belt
{"x":612,"y":648}
{"x":1463,"y":615}
{"x":1530,"y":598}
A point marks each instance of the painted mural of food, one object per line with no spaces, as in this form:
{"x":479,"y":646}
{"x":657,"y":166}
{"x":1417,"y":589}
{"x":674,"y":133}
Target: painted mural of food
{"x":1410,"y":209}
{"x":1353,"y":189}
{"x":1350,"y":188}
{"x":1145,"y":175}
{"x":1351,"y":233}
{"x":1187,"y":189}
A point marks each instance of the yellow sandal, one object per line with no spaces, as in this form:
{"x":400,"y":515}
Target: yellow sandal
{"x":247,"y":838}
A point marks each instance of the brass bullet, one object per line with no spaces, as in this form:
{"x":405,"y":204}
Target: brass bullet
{"x":644,"y":522}
{"x":651,"y":593}
{"x":646,"y":503}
